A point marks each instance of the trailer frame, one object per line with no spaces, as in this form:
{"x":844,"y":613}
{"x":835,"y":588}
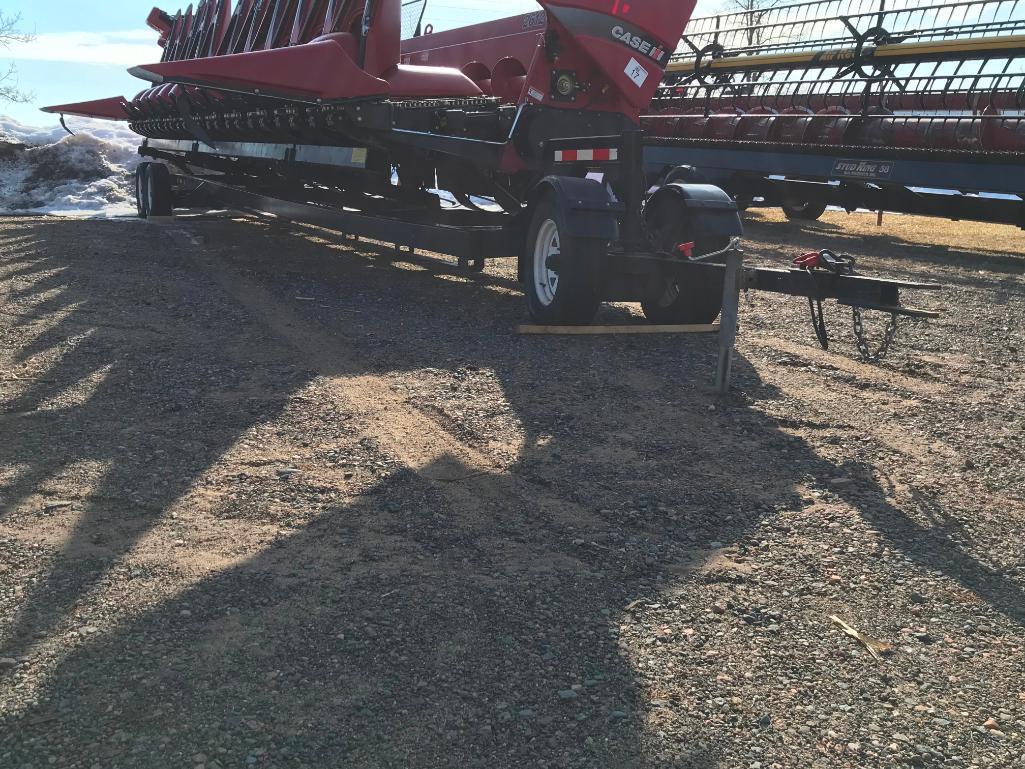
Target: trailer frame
{"x":573,"y":169}
{"x":873,"y":178}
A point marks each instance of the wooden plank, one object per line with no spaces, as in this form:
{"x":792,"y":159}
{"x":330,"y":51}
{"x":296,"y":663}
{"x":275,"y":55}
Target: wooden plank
{"x":613,"y":330}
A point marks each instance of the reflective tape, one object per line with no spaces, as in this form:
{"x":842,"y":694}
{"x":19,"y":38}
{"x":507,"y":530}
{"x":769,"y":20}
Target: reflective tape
{"x":599,"y":155}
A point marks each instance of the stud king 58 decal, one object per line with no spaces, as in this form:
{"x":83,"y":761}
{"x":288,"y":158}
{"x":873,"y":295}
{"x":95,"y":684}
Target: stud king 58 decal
{"x":653,"y":51}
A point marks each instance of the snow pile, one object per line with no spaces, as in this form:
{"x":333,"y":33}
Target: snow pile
{"x":46,"y":171}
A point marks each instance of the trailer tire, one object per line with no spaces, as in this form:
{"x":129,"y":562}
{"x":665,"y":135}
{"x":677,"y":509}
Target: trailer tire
{"x":804,"y":212}
{"x":142,"y":189}
{"x":686,"y":175}
{"x":160,"y":198}
{"x":567,"y":295}
{"x":698,"y":299}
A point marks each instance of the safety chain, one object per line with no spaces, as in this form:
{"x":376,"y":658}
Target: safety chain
{"x":884,"y":347}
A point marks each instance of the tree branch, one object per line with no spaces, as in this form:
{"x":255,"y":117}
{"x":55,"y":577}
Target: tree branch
{"x":10,"y":34}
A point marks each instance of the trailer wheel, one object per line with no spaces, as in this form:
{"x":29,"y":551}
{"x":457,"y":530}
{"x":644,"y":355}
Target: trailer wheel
{"x":559,"y":276}
{"x":695,"y":297}
{"x":160,"y":197}
{"x":142,"y":189}
{"x":806,"y":211}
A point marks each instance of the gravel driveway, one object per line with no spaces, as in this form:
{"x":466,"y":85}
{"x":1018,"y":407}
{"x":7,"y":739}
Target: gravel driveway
{"x":269,"y":498}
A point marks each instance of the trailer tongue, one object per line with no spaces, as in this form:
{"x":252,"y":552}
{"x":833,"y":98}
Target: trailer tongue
{"x":308,"y":110}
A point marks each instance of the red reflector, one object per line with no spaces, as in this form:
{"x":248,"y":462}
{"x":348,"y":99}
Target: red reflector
{"x":687,"y":249}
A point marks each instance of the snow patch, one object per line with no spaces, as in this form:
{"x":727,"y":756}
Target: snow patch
{"x":46,"y":171}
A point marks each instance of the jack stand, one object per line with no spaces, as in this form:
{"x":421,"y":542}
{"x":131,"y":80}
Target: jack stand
{"x":730,"y":318}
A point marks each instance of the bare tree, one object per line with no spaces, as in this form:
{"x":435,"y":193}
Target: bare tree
{"x":753,"y":12}
{"x":9,"y":33}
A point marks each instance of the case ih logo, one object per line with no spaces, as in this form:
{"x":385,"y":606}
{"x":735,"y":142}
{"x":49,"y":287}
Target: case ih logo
{"x":653,"y":51}
{"x":534,"y":20}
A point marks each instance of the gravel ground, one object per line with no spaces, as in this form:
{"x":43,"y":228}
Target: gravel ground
{"x":272,"y":499}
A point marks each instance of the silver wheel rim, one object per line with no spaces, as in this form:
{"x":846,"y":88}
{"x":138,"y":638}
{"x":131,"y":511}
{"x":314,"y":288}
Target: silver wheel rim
{"x":546,"y":245}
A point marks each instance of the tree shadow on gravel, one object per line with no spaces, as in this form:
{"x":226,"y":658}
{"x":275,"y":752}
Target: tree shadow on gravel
{"x":119,"y":402}
{"x":398,"y":629}
{"x":934,"y":546}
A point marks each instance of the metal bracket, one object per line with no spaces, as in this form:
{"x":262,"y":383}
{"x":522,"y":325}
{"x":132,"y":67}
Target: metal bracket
{"x":471,"y":265}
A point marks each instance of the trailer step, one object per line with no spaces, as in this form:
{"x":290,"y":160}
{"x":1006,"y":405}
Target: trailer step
{"x":711,"y":328}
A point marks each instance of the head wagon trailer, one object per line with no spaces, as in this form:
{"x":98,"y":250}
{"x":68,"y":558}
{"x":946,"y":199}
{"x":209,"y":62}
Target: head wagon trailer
{"x":316,"y":110}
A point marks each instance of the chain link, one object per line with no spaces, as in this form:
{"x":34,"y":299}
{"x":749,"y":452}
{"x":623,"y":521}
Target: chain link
{"x":884,"y":347}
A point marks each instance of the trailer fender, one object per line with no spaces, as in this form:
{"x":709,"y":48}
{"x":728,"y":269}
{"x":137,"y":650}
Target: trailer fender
{"x":713,"y":213}
{"x":685,"y":175}
{"x":590,"y":210}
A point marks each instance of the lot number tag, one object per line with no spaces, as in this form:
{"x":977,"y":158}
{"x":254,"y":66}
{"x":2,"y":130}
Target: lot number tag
{"x":636,"y":72}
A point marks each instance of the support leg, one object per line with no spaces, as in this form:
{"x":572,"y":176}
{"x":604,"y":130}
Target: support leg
{"x":730,"y":318}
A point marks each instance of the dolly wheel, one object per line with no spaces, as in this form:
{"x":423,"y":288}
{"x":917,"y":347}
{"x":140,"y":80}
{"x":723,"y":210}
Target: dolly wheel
{"x":142,"y":189}
{"x":805,"y":211}
{"x":693,"y":297}
{"x":559,"y":279}
{"x":160,"y":197}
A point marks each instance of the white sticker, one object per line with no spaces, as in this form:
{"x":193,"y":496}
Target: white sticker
{"x":636,"y":72}
{"x":533,"y":93}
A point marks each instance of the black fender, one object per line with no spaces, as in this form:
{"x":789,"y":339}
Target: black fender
{"x":712,"y":211}
{"x":590,"y":210}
